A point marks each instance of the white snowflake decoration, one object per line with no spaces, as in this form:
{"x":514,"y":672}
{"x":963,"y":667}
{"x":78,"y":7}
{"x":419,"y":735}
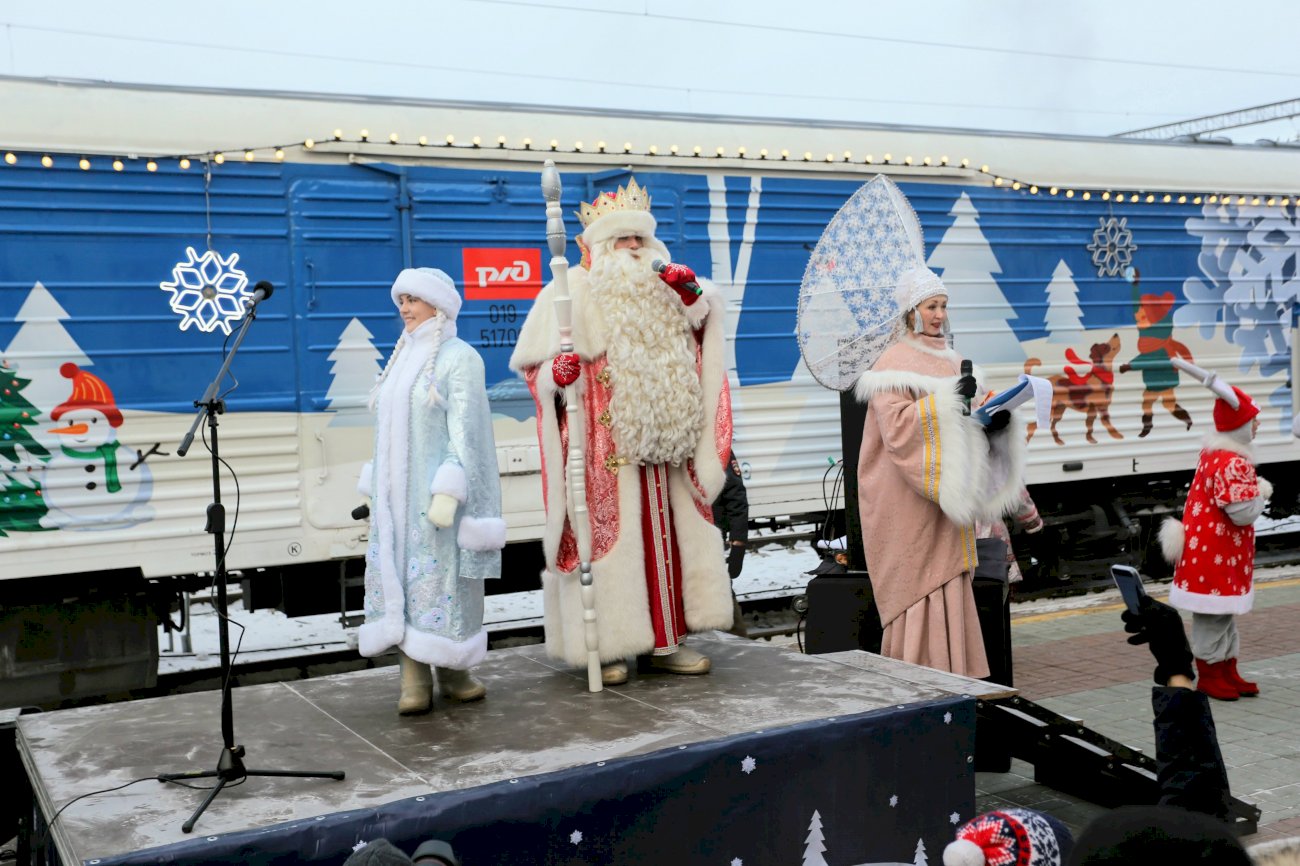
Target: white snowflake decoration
{"x":893,"y":801}
{"x":747,"y":765}
{"x":947,"y":718}
{"x":575,"y":837}
{"x":207,"y":290}
{"x":1112,"y":247}
{"x":954,"y":818}
{"x":736,"y":861}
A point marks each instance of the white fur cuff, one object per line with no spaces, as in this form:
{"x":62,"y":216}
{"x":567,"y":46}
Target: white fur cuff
{"x":1265,"y":487}
{"x":481,"y":533}
{"x":365,"y":485}
{"x":450,"y":479}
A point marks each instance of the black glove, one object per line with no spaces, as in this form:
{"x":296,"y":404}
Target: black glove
{"x":1159,"y":625}
{"x":966,"y":387}
{"x":998,"y":421}
{"x":735,"y":560}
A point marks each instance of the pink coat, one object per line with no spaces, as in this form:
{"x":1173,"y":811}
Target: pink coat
{"x":926,"y":474}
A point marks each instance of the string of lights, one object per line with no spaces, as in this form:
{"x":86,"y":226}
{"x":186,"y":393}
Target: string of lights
{"x":845,"y":160}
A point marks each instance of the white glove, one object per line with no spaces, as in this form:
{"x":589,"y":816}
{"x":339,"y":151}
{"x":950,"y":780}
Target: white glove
{"x":1265,"y":487}
{"x":442,"y":510}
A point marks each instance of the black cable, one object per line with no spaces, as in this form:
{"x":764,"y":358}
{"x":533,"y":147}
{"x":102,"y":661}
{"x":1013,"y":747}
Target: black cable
{"x":45,"y":837}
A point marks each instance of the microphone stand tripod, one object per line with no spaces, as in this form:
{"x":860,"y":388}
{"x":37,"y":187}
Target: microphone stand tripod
{"x":230,"y":765}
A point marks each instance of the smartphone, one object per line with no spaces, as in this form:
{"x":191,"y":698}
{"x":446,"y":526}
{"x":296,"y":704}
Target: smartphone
{"x":1130,"y":586}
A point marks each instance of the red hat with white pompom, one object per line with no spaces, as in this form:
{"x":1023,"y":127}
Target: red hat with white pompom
{"x":88,"y":392}
{"x":1010,"y":837}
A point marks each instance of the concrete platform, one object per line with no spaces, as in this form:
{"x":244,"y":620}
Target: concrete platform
{"x":839,"y":736}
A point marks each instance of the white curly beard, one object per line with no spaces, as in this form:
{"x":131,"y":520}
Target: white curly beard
{"x":657,"y":404}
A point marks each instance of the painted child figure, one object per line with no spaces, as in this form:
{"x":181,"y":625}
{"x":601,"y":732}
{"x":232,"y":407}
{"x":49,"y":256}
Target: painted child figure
{"x":436,"y":530}
{"x":1213,"y":548}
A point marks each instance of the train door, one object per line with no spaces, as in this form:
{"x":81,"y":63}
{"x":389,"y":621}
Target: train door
{"x":348,"y":242}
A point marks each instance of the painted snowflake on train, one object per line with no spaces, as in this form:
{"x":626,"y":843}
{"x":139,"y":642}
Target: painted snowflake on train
{"x":207,"y":290}
{"x":1250,"y":261}
{"x":1112,"y":246}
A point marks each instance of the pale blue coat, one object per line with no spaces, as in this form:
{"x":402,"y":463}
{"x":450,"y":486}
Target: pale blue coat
{"x":424,"y":583}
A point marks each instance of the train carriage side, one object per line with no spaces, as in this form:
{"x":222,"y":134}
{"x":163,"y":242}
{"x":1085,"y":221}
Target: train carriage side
{"x":1038,"y":282}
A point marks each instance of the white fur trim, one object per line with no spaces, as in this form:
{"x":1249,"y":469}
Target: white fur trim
{"x":430,"y":285}
{"x":1222,"y":442}
{"x":983,"y":473}
{"x":450,"y":479}
{"x":365,"y":481}
{"x":710,"y":468}
{"x":436,"y":650}
{"x":481,"y":533}
{"x":1295,"y":426}
{"x":379,"y":636}
{"x":617,"y":224}
{"x":1196,"y":602}
{"x":622,"y":602}
{"x":1265,"y":487}
{"x":1172,"y":537}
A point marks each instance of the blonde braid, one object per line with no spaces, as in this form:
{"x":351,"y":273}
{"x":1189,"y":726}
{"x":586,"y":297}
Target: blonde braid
{"x":434,"y":398}
{"x":383,"y":374}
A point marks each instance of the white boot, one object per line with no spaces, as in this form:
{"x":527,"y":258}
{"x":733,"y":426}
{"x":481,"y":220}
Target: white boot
{"x":684,"y":661}
{"x":614,"y":673}
{"x":417,"y":686}
{"x":459,"y":685}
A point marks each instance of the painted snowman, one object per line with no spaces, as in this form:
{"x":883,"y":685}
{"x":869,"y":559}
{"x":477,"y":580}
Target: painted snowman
{"x":92,"y":481}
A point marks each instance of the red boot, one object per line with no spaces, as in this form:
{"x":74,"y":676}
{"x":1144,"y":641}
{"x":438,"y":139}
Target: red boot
{"x":1212,"y":679}
{"x":1245,"y":688}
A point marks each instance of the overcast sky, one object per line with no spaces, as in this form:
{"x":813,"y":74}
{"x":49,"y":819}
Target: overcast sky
{"x":1054,"y":66}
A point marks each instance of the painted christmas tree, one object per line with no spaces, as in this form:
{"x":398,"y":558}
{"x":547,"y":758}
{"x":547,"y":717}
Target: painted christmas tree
{"x":21,"y":505}
{"x":814,"y":845}
{"x":965,"y":260}
{"x":356,"y":365}
{"x":41,"y":346}
{"x":1064,"y":319}
{"x":920,"y":859}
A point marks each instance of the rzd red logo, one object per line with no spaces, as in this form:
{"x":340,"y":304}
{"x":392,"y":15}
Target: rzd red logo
{"x":494,"y":274}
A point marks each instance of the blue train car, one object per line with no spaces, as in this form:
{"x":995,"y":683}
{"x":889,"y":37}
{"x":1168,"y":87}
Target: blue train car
{"x":123,"y":266}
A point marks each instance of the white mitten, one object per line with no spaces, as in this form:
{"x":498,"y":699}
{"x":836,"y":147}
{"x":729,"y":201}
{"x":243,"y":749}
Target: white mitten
{"x":1265,"y":487}
{"x":442,"y":510}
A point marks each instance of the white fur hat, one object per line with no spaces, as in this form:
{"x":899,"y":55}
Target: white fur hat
{"x":431,"y":286}
{"x":918,"y":285}
{"x":617,"y":224}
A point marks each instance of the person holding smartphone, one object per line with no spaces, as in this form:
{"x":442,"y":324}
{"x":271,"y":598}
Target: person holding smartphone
{"x":1213,"y":547}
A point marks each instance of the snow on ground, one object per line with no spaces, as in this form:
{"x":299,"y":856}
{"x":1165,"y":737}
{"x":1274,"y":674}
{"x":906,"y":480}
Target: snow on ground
{"x":771,"y":571}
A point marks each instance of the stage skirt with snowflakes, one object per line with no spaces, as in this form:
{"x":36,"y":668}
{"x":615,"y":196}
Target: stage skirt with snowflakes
{"x":423,"y":586}
{"x":1215,"y":571}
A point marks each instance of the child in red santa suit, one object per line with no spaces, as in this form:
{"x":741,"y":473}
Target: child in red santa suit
{"x":1213,"y":548}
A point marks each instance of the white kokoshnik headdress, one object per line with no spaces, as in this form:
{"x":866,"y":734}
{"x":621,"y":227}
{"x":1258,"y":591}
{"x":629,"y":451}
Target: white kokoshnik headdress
{"x":867,"y":270}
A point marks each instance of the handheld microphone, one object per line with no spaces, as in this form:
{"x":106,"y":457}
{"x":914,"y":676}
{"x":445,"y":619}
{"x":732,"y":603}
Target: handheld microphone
{"x":966,"y":370}
{"x":261,"y":292}
{"x":659,"y":266}
{"x":361,"y":512}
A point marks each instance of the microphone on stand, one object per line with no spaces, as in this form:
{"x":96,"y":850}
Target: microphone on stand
{"x":659,"y":266}
{"x":261,"y":292}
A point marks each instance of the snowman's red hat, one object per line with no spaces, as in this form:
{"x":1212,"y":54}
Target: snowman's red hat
{"x":88,"y":392}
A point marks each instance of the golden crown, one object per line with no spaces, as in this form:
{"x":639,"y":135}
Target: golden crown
{"x":634,"y":197}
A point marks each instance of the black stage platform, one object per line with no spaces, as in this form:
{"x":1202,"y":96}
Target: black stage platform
{"x":771,"y":758}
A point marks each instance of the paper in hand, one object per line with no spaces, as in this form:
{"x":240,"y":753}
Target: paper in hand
{"x":1034,"y":388}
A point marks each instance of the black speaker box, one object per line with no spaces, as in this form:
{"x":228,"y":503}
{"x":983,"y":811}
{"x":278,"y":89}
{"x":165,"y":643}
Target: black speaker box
{"x":841,"y":614}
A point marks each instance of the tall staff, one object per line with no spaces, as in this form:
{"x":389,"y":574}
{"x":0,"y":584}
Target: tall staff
{"x":575,"y":470}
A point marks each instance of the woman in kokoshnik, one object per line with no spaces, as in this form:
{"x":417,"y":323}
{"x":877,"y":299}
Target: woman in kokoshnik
{"x":927,"y":472}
